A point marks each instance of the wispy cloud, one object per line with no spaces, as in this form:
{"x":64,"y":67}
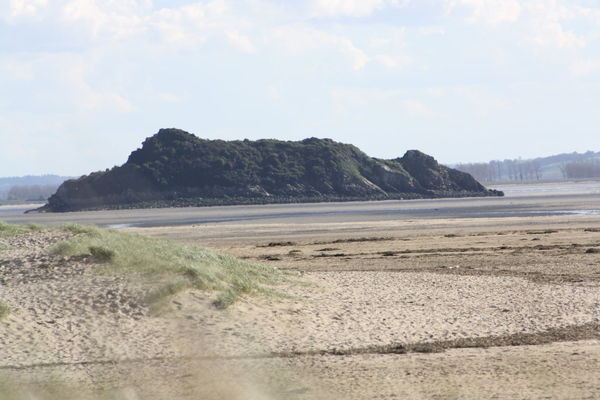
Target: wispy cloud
{"x":17,"y":9}
{"x":299,"y":39}
{"x":352,"y":8}
{"x":584,"y":67}
{"x":491,"y":12}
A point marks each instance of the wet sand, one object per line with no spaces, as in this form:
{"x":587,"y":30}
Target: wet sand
{"x":522,"y":204}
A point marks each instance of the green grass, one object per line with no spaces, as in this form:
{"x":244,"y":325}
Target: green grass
{"x":7,"y":230}
{"x":4,"y":310}
{"x":175,"y":266}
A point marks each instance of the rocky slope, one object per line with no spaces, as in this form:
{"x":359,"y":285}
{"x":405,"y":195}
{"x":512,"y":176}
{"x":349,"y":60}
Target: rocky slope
{"x":176,"y":168}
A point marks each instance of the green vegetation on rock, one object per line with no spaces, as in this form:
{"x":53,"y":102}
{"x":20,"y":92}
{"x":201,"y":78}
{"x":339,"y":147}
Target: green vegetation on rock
{"x":176,"y":168}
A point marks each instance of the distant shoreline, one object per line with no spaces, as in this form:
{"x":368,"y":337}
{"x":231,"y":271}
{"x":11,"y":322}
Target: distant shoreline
{"x":7,"y":204}
{"x":18,"y":208}
{"x":204,"y":202}
{"x":539,"y":182}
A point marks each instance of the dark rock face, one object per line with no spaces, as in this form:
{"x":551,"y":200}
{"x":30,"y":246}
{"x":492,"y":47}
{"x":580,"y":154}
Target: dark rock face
{"x":176,"y":168}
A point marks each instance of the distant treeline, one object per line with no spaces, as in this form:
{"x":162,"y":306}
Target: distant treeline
{"x":583,"y":169}
{"x":560,"y":166}
{"x":507,"y":170}
{"x":31,"y":192}
{"x":29,"y":188}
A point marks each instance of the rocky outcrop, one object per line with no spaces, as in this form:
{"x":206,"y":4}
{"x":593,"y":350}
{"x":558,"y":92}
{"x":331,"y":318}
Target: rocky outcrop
{"x":176,"y":168}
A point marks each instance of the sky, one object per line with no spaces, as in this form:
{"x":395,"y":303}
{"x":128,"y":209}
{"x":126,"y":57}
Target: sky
{"x":84,"y":82}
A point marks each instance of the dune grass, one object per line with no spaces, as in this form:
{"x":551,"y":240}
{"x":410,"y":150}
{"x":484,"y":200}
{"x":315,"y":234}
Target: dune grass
{"x":7,"y":230}
{"x":174,"y":266}
{"x":4,"y":310}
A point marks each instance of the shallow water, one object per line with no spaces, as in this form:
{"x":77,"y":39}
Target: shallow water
{"x":17,"y":209}
{"x":521,"y":200}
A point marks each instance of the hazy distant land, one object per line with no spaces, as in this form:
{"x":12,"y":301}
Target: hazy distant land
{"x":555,"y":167}
{"x":30,"y":188}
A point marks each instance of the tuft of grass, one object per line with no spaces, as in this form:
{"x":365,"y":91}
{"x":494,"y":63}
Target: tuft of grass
{"x":226,"y":299}
{"x":35,"y":227}
{"x":4,"y":310}
{"x":176,"y":266}
{"x":7,"y":230}
{"x":79,"y":229}
{"x":101,"y":254}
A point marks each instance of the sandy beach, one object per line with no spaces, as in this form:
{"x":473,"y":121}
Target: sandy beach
{"x":432,"y":308}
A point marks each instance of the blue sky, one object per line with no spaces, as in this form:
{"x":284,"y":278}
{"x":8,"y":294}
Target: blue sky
{"x":83,"y":82}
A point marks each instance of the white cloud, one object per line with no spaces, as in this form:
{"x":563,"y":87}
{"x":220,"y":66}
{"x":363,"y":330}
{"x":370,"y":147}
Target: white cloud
{"x":347,"y":101}
{"x":187,"y":25}
{"x":63,"y":76}
{"x":584,"y":67}
{"x":108,"y":100}
{"x":379,"y":42}
{"x":17,"y":70}
{"x":273,"y":92}
{"x":90,"y":60}
{"x":15,"y":147}
{"x":490,"y":12}
{"x":546,"y":20}
{"x":431,"y":30}
{"x":113,"y":20}
{"x":541,"y":23}
{"x":195,"y":24}
{"x":299,"y":39}
{"x":360,"y":59}
{"x":351,"y":8}
{"x":169,"y":97}
{"x":387,"y":61}
{"x":435,"y":91}
{"x":87,"y":98}
{"x":170,"y":28}
{"x":240,"y":41}
{"x":417,"y":108}
{"x":553,"y":34}
{"x":591,"y":13}
{"x":218,"y":7}
{"x":484,"y":104}
{"x":25,"y":8}
{"x":393,"y":62}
